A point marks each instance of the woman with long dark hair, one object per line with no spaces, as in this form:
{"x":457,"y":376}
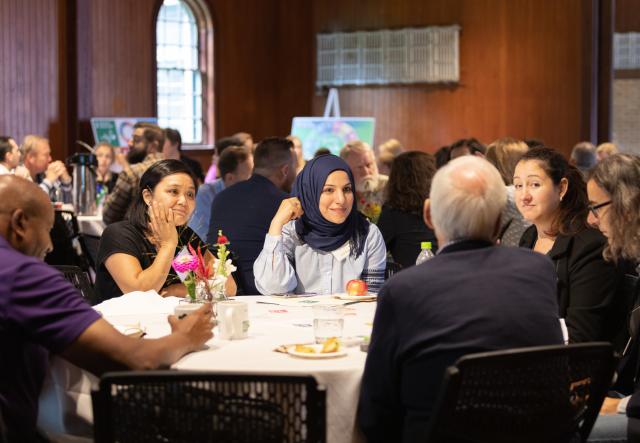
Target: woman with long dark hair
{"x":552,"y":196}
{"x":401,"y":222}
{"x":136,"y":254}
{"x":614,"y":204}
{"x":318,"y":240}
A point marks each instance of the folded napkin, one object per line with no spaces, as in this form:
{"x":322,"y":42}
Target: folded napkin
{"x":138,"y":302}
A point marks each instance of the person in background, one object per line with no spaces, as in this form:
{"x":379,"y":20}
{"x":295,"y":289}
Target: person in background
{"x":370,"y":183}
{"x":41,"y":313}
{"x":318,"y":241}
{"x":245,"y":139}
{"x":604,"y":150}
{"x":466,"y":146}
{"x":105,"y":178}
{"x":504,"y":154}
{"x":401,"y":222}
{"x":235,"y":165}
{"x":297,"y":146}
{"x":614,"y":208}
{"x":551,"y":194}
{"x":147,"y":147}
{"x":173,"y":149}
{"x":473,"y":296}
{"x":321,"y":151}
{"x":221,"y":145}
{"x":583,"y":157}
{"x":244,"y":211}
{"x":441,"y":156}
{"x":52,"y":176}
{"x":387,"y":151}
{"x":9,"y":155}
{"x":533,"y":143}
{"x":136,"y":254}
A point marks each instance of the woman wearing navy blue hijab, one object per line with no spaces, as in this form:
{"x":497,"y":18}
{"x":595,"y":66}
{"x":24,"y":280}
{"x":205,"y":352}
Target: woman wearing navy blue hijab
{"x":317,"y":240}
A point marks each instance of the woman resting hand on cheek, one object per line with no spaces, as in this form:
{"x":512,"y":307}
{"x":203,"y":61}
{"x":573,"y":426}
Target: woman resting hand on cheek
{"x":317,"y":240}
{"x":136,"y":254}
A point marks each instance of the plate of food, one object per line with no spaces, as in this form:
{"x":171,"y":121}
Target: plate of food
{"x":329,"y":349}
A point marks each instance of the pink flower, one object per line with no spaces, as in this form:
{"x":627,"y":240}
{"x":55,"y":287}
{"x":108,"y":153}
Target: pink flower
{"x":185,"y":263}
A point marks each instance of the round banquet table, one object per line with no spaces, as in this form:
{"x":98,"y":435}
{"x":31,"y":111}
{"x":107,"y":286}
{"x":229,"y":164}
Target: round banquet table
{"x":65,"y":405}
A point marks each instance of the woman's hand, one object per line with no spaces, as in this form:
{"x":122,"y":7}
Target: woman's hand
{"x":196,"y":327}
{"x":162,"y":226}
{"x":290,"y":209}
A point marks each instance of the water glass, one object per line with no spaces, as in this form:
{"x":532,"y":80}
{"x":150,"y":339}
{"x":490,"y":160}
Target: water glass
{"x":328,"y":321}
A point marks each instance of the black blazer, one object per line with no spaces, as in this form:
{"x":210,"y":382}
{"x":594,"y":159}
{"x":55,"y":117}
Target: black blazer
{"x":244,"y":212}
{"x":587,"y":286}
{"x":473,"y":296}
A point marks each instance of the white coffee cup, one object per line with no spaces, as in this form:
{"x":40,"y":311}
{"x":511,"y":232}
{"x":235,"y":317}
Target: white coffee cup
{"x":233,"y":319}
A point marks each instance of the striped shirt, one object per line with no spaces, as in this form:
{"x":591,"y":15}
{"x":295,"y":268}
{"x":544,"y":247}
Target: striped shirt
{"x":126,"y":189}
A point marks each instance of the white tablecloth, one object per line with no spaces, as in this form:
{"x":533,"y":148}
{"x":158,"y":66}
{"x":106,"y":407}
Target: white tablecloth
{"x":66,"y":404}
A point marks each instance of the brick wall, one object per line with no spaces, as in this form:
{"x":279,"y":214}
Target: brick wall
{"x":626,"y":114}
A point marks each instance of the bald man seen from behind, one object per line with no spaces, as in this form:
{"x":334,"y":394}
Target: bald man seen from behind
{"x":41,"y":313}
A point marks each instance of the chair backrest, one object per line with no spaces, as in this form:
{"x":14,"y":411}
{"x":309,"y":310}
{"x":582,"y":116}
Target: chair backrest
{"x":181,"y":406}
{"x":540,"y":394}
{"x":391,"y":268}
{"x":80,"y":279}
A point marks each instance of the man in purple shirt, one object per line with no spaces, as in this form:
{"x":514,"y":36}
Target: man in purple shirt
{"x":40,"y":312}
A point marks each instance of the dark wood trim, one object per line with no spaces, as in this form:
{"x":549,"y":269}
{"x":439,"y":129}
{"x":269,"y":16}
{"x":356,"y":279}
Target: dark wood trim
{"x":589,"y":129}
{"x":626,"y":73}
{"x":70,"y":67}
{"x":605,"y":68}
{"x":154,"y":62}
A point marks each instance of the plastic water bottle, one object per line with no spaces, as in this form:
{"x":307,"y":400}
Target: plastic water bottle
{"x":425,"y":253}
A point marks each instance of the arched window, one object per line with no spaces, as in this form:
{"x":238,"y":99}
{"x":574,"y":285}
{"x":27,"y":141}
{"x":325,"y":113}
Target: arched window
{"x":184,"y":58}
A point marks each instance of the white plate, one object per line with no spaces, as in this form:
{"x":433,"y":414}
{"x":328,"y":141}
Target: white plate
{"x":344,"y":296}
{"x":317,"y":354}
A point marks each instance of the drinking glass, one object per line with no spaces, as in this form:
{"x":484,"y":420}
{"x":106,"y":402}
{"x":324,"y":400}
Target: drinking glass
{"x":328,"y":321}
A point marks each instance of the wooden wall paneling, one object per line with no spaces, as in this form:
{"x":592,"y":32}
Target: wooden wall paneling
{"x":294,"y":69}
{"x":29,"y":70}
{"x":627,"y":15}
{"x":115,"y":74}
{"x":245,"y":51}
{"x":522,"y":66}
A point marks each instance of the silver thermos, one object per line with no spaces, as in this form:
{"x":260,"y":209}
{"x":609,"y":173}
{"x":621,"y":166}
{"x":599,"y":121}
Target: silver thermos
{"x":84,"y":183}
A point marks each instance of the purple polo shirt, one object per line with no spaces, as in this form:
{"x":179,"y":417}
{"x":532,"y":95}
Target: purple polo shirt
{"x":40,"y":312}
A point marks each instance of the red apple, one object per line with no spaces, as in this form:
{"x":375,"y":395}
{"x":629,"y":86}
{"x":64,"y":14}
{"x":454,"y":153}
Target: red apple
{"x":356,"y":287}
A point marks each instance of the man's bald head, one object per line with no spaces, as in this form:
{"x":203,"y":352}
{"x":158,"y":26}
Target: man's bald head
{"x":26,"y":216}
{"x":466,"y":200}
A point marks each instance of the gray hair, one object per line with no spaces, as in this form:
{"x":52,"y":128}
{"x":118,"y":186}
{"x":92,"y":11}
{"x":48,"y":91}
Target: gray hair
{"x":467,"y":197}
{"x":357,"y":146}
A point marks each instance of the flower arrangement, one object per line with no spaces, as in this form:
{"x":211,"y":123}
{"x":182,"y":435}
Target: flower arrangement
{"x":202,"y":282}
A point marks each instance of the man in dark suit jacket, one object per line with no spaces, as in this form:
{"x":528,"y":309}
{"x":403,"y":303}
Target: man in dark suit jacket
{"x":473,"y":296}
{"x":244,"y":211}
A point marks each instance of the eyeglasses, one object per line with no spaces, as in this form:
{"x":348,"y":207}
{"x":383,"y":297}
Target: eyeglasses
{"x":594,"y":208}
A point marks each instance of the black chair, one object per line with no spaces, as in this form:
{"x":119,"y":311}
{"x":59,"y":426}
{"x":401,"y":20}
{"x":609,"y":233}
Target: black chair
{"x":180,"y":406}
{"x":68,"y":247}
{"x":80,"y":279}
{"x":391,"y":268}
{"x":542,"y":394}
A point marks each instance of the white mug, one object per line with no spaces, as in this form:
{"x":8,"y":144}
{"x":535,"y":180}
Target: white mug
{"x":233,"y":319}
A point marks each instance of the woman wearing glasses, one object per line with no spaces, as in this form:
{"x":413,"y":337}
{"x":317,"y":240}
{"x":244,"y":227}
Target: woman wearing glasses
{"x":614,"y":194}
{"x":552,"y":196}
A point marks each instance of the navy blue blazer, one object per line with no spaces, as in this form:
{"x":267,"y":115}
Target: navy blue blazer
{"x":243,"y":212}
{"x":471,"y":297}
